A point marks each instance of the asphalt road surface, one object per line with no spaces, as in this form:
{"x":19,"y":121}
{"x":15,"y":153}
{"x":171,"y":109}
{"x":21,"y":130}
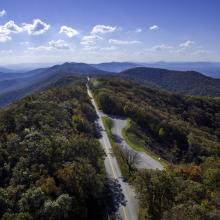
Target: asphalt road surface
{"x":130,"y":210}
{"x":145,"y":161}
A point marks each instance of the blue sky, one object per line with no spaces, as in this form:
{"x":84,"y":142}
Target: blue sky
{"x":115,"y":30}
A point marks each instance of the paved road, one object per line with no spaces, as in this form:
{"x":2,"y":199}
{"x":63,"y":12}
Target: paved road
{"x":145,"y":161}
{"x":130,"y":210}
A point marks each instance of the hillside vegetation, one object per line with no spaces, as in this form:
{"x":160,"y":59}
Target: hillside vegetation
{"x":179,"y":128}
{"x":183,"y":130}
{"x":183,"y":82}
{"x":51,"y":163}
{"x":15,"y":86}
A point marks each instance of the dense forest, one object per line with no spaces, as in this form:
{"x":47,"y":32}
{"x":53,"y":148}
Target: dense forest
{"x":179,"y":128}
{"x":51,"y":163}
{"x":180,"y":193}
{"x":185,"y":131}
{"x":183,"y":82}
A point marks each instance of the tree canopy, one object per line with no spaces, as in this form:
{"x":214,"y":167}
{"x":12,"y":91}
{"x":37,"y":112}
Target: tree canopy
{"x":51,"y":161}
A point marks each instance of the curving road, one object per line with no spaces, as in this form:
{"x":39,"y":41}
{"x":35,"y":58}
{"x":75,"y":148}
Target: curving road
{"x":145,"y":161}
{"x":130,"y":210}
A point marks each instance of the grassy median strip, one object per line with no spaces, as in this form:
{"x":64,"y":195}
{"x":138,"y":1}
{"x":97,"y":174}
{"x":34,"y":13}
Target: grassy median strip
{"x":108,"y":123}
{"x":138,"y":143}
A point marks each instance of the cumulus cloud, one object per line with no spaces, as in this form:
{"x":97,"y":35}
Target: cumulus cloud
{"x":109,"y":48}
{"x":90,"y":48}
{"x":60,"y":45}
{"x":7,"y":29}
{"x":90,"y":40}
{"x":4,"y":38}
{"x":160,"y":47}
{"x":2,"y":13}
{"x":200,"y":52}
{"x":103,"y":29}
{"x":11,"y":27}
{"x":6,"y":51}
{"x":123,"y":42}
{"x":138,"y":30}
{"x":40,"y":48}
{"x":70,"y":32}
{"x":52,"y":45}
{"x":187,"y":44}
{"x":36,"y":28}
{"x":154,"y":27}
{"x":25,"y":43}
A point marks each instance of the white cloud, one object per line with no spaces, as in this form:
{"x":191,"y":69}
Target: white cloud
{"x":123,"y":42}
{"x":6,"y":51}
{"x":70,"y":32}
{"x":40,"y":48}
{"x":109,"y":48}
{"x":52,"y":45}
{"x":160,"y":48}
{"x":4,"y":38}
{"x":25,"y":43}
{"x":7,"y":29}
{"x":2,"y":13}
{"x":11,"y":27}
{"x":90,"y":40}
{"x":154,"y":27}
{"x":200,"y":52}
{"x":38,"y":27}
{"x":138,"y":30}
{"x":103,"y":29}
{"x":60,"y":45}
{"x":187,"y":44}
{"x":90,"y":48}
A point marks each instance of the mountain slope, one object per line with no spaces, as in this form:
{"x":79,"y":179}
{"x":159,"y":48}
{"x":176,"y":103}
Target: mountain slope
{"x":35,"y":80}
{"x":179,"y":128}
{"x":50,"y":156}
{"x":211,"y":69}
{"x":116,"y":66}
{"x":188,"y":82}
{"x":5,"y":70}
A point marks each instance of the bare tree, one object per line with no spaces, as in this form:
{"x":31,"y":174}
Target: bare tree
{"x":130,"y":157}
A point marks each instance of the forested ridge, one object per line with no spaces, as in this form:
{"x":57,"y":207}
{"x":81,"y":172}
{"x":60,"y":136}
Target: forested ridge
{"x":180,"y":128}
{"x":51,"y":163}
{"x":184,"y":130}
{"x":183,"y":82}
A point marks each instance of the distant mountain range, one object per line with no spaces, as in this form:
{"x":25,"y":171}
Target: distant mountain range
{"x":13,"y":85}
{"x":5,"y":70}
{"x":211,"y":69}
{"x":185,"y":82}
{"x":207,"y":68}
{"x":116,"y":66}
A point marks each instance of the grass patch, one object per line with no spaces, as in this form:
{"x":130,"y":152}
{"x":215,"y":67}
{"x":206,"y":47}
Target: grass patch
{"x":108,"y":124}
{"x":138,"y":143}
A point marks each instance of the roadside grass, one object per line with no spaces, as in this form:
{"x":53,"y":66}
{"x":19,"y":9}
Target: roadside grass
{"x":138,"y":143}
{"x":95,"y":83}
{"x":142,"y":214}
{"x":108,"y":124}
